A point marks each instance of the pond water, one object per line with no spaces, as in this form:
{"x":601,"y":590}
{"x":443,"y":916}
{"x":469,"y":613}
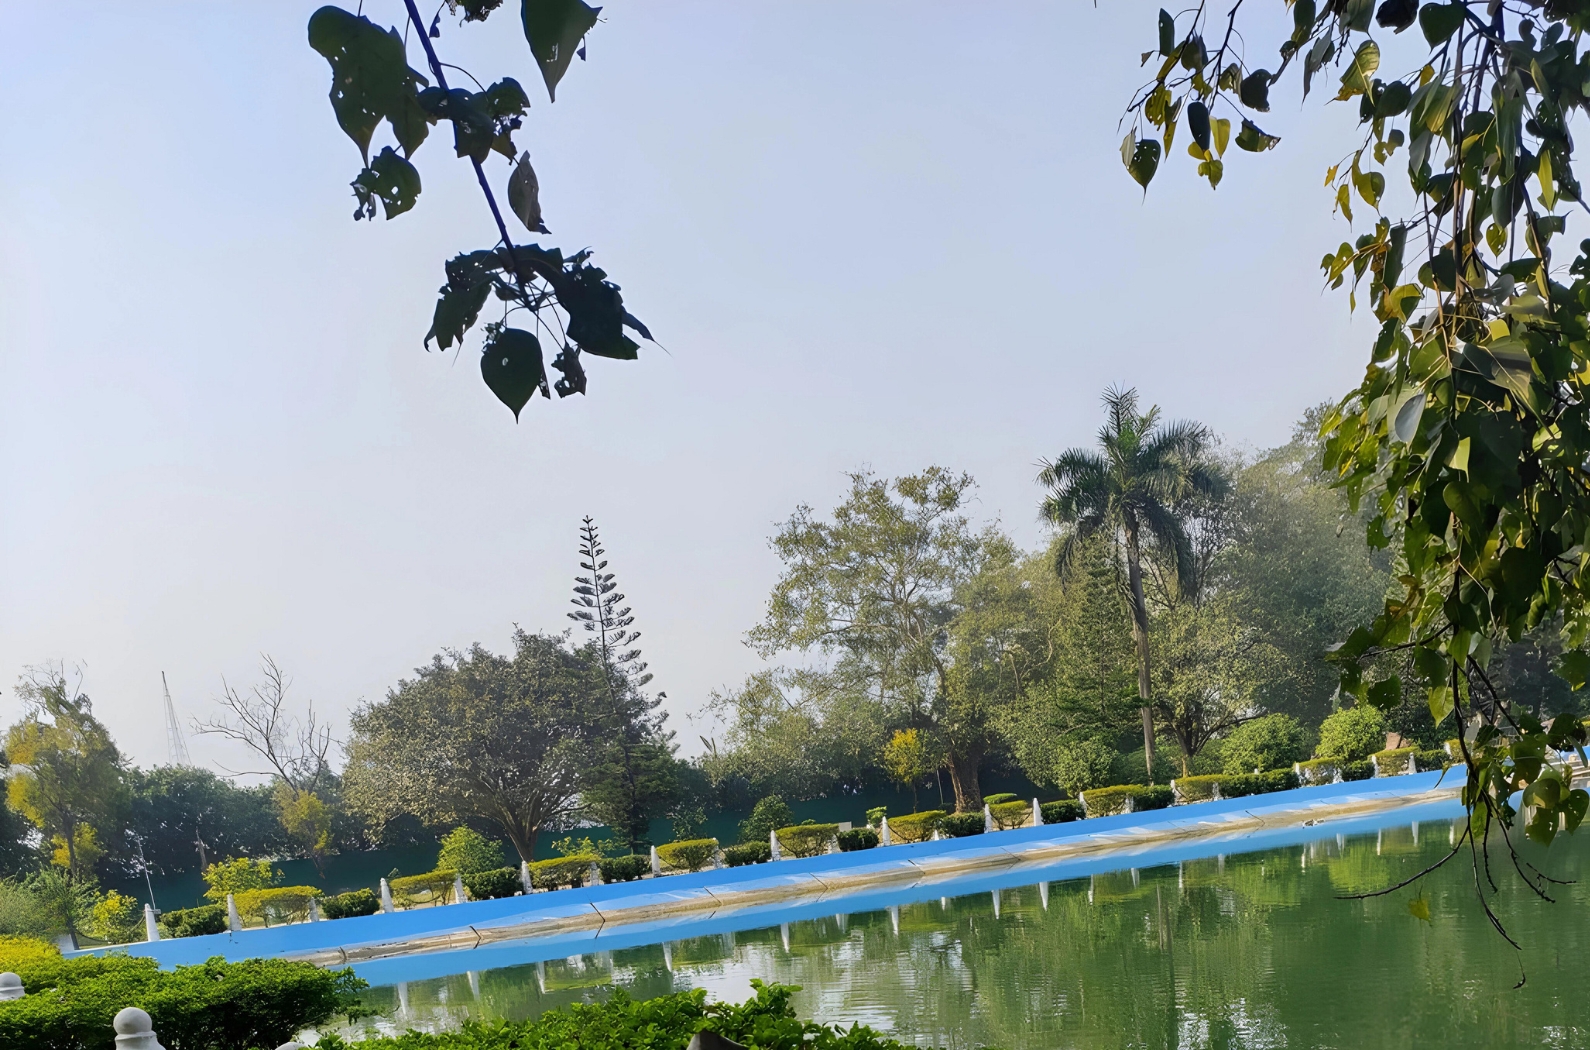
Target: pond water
{"x":1245,"y":950}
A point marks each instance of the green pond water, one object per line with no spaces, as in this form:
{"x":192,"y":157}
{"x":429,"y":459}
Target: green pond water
{"x":1250,"y":950}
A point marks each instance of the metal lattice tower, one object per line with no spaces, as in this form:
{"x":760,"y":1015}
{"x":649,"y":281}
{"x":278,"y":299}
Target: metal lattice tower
{"x":176,"y":746}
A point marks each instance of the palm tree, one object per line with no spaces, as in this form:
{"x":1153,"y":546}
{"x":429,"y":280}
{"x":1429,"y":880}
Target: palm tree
{"x":1142,"y":480}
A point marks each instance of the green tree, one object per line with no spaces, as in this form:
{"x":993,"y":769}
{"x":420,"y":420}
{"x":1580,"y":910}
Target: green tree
{"x":767,"y":816}
{"x":1135,"y":490}
{"x":1269,"y":742}
{"x":876,"y":590}
{"x":185,"y":817}
{"x":634,"y":778}
{"x":908,"y":756}
{"x":475,"y":736}
{"x":66,"y":773}
{"x":1352,"y":734}
{"x":65,"y":902}
{"x":236,"y":875}
{"x":467,"y":851}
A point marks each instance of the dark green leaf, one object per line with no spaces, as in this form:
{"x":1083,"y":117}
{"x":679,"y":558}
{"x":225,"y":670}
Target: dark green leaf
{"x":392,"y":179}
{"x":510,"y":363}
{"x":1255,"y":92}
{"x":1397,"y":14}
{"x":1386,"y":693}
{"x":1252,"y":139}
{"x":469,"y":281}
{"x":369,"y":73}
{"x":1303,"y":14}
{"x":1144,"y":162}
{"x":596,"y":314}
{"x":1198,"y":124}
{"x":1167,"y":33}
{"x":1440,"y":21}
{"x":1393,"y":100}
{"x":1405,"y":424}
{"x":524,"y":195}
{"x":554,"y":28}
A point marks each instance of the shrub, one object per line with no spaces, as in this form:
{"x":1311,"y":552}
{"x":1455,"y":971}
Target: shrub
{"x":806,"y":840}
{"x":959,"y":825}
{"x":748,"y":853}
{"x":117,"y":919}
{"x":1394,"y":761}
{"x":1061,"y":812}
{"x":284,"y":903}
{"x":857,"y":838}
{"x":21,"y":911}
{"x":998,"y":797}
{"x":1435,"y":758}
{"x":468,"y":852}
{"x":19,"y":953}
{"x":1318,"y":771}
{"x":1271,"y":742}
{"x":347,"y":905}
{"x":768,"y":814}
{"x":1126,"y":798}
{"x":1357,"y":770}
{"x":1198,"y":789}
{"x":559,"y":872}
{"x":1351,"y":734}
{"x":1081,"y":764}
{"x":196,"y":922}
{"x":1007,"y":815}
{"x":665,"y":1023}
{"x":236,"y":875}
{"x":875,"y":815}
{"x":689,"y":855}
{"x":431,"y":887}
{"x":624,"y":869}
{"x":915,"y":827}
{"x":492,"y":884}
{"x":214,"y":1006}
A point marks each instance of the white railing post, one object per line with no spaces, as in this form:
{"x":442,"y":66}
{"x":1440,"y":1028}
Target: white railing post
{"x":386,"y":898}
{"x":234,"y":921}
{"x":772,"y":845}
{"x":151,"y":927}
{"x":1037,"y":814}
{"x":458,"y":889}
{"x":988,"y":818}
{"x":656,"y":862}
{"x":883,"y":822}
{"x":135,"y":1031}
{"x":524,"y":876}
{"x":594,"y":876}
{"x":314,"y":909}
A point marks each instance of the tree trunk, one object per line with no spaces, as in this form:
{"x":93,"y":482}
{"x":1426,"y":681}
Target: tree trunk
{"x":1134,"y":575}
{"x":523,"y":839}
{"x":963,"y":778}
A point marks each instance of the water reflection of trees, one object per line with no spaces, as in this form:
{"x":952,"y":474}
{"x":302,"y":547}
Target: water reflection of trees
{"x":1242,"y":951}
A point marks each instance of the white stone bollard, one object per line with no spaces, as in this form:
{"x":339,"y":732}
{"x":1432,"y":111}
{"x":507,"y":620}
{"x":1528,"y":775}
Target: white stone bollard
{"x":524,"y":876}
{"x":386,"y":898}
{"x":10,"y":987}
{"x":314,"y":909}
{"x":884,"y":837}
{"x":1037,"y":814}
{"x":988,"y":818}
{"x":234,"y":921}
{"x":135,"y":1031}
{"x":594,"y":876}
{"x":151,"y":928}
{"x":656,"y":864}
{"x":459,"y":895}
{"x":772,"y":845}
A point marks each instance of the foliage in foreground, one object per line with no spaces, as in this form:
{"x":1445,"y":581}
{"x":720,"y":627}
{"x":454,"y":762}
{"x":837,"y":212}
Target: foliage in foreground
{"x":763,"y":1022}
{"x":214,"y":1006}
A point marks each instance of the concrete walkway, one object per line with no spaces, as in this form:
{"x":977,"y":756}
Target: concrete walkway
{"x":1112,"y":841}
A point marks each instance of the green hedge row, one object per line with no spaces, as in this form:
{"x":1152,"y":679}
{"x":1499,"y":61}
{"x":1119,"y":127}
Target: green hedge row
{"x":857,"y":838}
{"x":1010,"y":813}
{"x":959,"y":825}
{"x":215,"y":1006}
{"x":1200,"y":788}
{"x":194,"y":922}
{"x":493,"y":883}
{"x":747,"y":853}
{"x":1134,"y":798}
{"x":1061,"y":812}
{"x":806,"y":840}
{"x":915,"y":827}
{"x":624,"y":869}
{"x":688,"y":855}
{"x":347,"y":905}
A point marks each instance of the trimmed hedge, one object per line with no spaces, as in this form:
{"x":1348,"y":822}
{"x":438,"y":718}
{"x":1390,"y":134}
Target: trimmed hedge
{"x":624,"y":869}
{"x":857,"y":838}
{"x":766,"y":1021}
{"x":1357,"y":770}
{"x":1062,"y":812}
{"x":1394,"y":761}
{"x":1202,"y":788}
{"x":347,"y":905}
{"x":286,"y":903}
{"x":688,"y":855}
{"x":435,"y":885}
{"x":1318,"y":771}
{"x":915,"y":827}
{"x":806,"y":840}
{"x":559,"y":872}
{"x":960,"y":825}
{"x":194,"y":922}
{"x":998,"y":797}
{"x":493,"y":883}
{"x":1198,"y":789}
{"x":17,"y":953}
{"x":1007,"y":815}
{"x":215,"y":1006}
{"x":1125,"y":798}
{"x":747,"y":853}
{"x":1434,"y":758}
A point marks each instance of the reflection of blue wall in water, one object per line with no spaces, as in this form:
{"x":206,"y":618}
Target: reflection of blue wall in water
{"x":353,"y":871}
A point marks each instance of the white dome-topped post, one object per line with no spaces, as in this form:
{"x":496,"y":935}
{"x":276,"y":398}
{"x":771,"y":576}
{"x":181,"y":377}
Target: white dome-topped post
{"x":988,"y":818}
{"x":234,"y":921}
{"x":135,"y":1031}
{"x":151,"y":928}
{"x":656,"y":863}
{"x":772,"y":845}
{"x":883,"y":823}
{"x":386,"y":897}
{"x":458,"y":889}
{"x":10,"y":987}
{"x":1037,"y":814}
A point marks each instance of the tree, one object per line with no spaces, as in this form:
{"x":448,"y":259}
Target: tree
{"x":634,"y":778}
{"x":1352,"y":734}
{"x":474,"y":736}
{"x":64,"y":901}
{"x":1467,"y":438}
{"x":66,"y":772}
{"x":294,"y":751}
{"x":566,"y":299}
{"x":1134,"y":490}
{"x":767,"y":816}
{"x":467,"y":851}
{"x":875,"y":591}
{"x":186,"y":817}
{"x":238,"y":875}
{"x":1269,"y":742}
{"x":909,"y":757}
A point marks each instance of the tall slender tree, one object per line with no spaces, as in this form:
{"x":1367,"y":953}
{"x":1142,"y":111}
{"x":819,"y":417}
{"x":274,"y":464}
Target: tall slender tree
{"x":633,"y":779}
{"x":1137,"y":489}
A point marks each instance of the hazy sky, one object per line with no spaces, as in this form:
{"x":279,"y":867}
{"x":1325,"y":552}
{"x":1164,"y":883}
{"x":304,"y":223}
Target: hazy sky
{"x":883,"y":234}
